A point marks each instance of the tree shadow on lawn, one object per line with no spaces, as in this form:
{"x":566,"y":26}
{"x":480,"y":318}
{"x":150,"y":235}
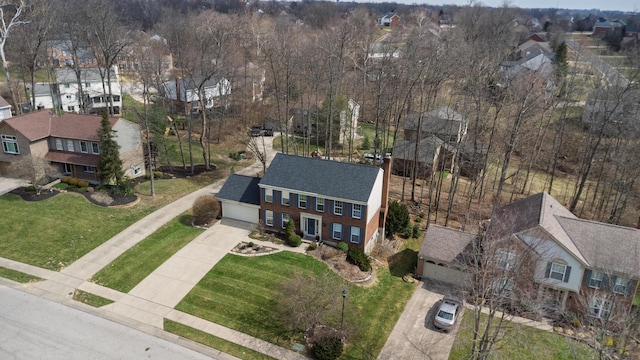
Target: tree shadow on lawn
{"x":403,"y":262}
{"x":186,"y":219}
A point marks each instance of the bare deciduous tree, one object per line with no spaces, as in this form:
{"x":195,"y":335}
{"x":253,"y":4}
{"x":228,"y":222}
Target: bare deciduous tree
{"x":37,"y":170}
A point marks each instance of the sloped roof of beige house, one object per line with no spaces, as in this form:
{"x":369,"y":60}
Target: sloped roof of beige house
{"x":41,"y":124}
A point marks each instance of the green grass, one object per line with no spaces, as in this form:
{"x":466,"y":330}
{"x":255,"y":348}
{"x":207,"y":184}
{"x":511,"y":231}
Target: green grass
{"x":17,"y":276}
{"x":125,"y":272}
{"x":213,"y":341}
{"x":55,"y":232}
{"x":369,"y":130}
{"x":90,"y":299}
{"x":521,"y":342}
{"x":239,"y":293}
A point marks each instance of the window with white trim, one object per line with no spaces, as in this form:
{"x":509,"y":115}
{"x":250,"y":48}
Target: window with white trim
{"x":596,"y":279}
{"x":506,"y":259}
{"x":137,"y":170}
{"x":268,"y":195}
{"x":67,"y":168}
{"x":285,"y":219}
{"x":89,"y":169}
{"x":59,"y":145}
{"x":355,"y":235}
{"x":356,"y":211}
{"x":302,"y":201}
{"x":557,"y":271}
{"x":336,"y":231}
{"x":268,"y":217}
{"x":600,"y":308}
{"x":320,"y":204}
{"x":10,"y":144}
{"x":83,"y":147}
{"x":337,"y":207}
{"x":70,"y":146}
{"x":503,"y":286}
{"x":285,"y":198}
{"x":620,"y":285}
{"x":95,"y":148}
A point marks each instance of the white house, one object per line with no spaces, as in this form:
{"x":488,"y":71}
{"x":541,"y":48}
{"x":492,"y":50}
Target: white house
{"x":96,"y":92}
{"x":5,"y":109}
{"x":184,"y":93}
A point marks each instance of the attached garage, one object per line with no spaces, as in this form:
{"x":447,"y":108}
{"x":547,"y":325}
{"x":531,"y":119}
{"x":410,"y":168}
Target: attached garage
{"x":240,"y":198}
{"x":440,"y":272}
{"x":240,"y":211}
{"x":443,"y":253}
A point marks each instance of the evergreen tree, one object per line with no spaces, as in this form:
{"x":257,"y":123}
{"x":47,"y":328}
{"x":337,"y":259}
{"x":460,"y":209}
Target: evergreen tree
{"x":110,"y":165}
{"x":561,"y":60}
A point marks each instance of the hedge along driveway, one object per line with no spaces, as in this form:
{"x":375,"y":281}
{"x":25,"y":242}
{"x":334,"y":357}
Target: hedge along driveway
{"x":239,"y":293}
{"x":54,"y":233}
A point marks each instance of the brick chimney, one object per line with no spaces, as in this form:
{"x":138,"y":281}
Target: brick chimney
{"x":386,"y":177}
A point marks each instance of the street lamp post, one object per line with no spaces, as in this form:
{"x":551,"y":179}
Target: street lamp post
{"x":344,"y":296}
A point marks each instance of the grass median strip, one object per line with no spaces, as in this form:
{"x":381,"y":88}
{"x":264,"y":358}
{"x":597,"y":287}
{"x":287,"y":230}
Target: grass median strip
{"x":129,"y":269}
{"x":239,"y":293}
{"x":213,"y":341}
{"x":521,"y":342}
{"x":17,"y":276}
{"x":90,"y":299}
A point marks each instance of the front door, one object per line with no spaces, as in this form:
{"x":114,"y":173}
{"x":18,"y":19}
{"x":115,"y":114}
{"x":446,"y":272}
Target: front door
{"x":311,"y":226}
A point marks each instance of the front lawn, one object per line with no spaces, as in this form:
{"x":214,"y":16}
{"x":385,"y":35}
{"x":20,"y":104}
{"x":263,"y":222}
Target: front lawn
{"x":239,"y":293}
{"x":521,"y":342}
{"x":54,"y":233}
{"x":129,"y":269}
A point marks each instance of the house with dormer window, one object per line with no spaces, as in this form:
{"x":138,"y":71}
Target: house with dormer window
{"x":329,"y":201}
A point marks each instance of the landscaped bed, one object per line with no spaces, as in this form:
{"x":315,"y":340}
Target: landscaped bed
{"x":239,"y":293}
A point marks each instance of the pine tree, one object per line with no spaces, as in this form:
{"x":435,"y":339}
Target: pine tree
{"x":110,"y":165}
{"x":561,"y":60}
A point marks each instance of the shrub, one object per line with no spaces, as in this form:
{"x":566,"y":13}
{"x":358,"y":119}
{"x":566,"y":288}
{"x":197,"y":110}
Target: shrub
{"x":65,"y":179}
{"x":366,"y":143}
{"x":359,"y":258}
{"x":343,"y":246}
{"x":290,"y":229}
{"x":294,"y":240}
{"x":328,"y":348}
{"x":83,"y":184}
{"x":397,"y":218}
{"x":158,"y":174}
{"x":418,"y":219}
{"x":312,"y":246}
{"x":31,"y":188}
{"x":416,"y":231}
{"x":73,"y":181}
{"x":61,"y":186}
{"x":204,"y":209}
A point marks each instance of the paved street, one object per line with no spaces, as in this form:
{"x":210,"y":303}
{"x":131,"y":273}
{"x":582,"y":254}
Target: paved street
{"x":36,"y":328}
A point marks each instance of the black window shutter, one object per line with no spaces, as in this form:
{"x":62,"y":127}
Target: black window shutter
{"x":630,"y":285}
{"x":587,"y":277}
{"x":548,"y":271}
{"x":567,"y":273}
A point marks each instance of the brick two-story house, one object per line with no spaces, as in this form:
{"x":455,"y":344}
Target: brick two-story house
{"x":69,"y":142}
{"x":328,"y":200}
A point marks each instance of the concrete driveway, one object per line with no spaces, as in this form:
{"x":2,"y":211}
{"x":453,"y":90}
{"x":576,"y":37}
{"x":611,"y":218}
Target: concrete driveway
{"x":8,"y":184}
{"x":414,"y":336}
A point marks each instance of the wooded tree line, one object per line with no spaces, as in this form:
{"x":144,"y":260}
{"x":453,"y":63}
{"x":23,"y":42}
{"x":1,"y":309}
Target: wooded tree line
{"x":530,"y":123}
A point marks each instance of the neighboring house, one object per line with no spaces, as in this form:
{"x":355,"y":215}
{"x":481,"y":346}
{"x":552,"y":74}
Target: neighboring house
{"x":530,"y":59}
{"x":534,"y":37}
{"x":329,"y":201}
{"x":5,"y":109}
{"x":445,"y":123}
{"x":349,"y":122}
{"x":302,"y":122}
{"x":602,"y":28}
{"x":184,"y":93}
{"x":581,"y":266}
{"x":46,"y":96}
{"x":389,"y":19}
{"x":432,"y":155}
{"x":59,"y":53}
{"x":70,"y":142}
{"x":153,"y":47}
{"x":96,"y":96}
{"x":617,"y":107}
{"x":381,"y":50}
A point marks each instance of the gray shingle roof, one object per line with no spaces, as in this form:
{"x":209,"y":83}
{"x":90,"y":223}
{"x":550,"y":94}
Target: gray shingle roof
{"x":446,"y":245}
{"x":241,"y":188}
{"x":323,"y":177}
{"x":405,"y":149}
{"x":185,"y":85}
{"x":64,"y":76}
{"x":440,"y":121}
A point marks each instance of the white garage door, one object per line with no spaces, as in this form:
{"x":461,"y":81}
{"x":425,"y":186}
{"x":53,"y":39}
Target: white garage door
{"x":444,"y":274}
{"x":239,"y":211}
